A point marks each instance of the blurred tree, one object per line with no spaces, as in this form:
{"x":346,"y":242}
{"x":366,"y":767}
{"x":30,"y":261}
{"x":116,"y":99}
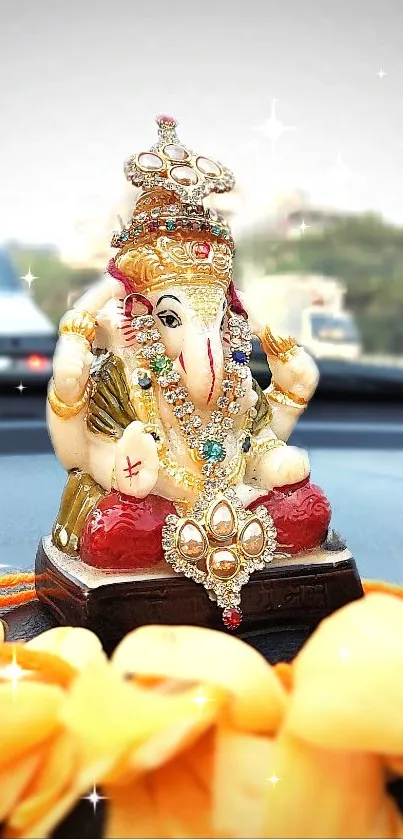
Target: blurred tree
{"x":365,"y":252}
{"x":55,"y":279}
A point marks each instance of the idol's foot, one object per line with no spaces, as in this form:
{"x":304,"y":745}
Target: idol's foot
{"x":301,"y":514}
{"x":124,"y":533}
{"x":281,"y":466}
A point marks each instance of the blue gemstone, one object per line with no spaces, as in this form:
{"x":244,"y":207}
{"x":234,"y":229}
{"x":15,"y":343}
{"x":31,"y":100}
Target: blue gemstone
{"x":246,"y":445}
{"x":213,"y":451}
{"x":239,"y":356}
{"x":215,"y":229}
{"x":124,"y":236}
{"x":170,"y":224}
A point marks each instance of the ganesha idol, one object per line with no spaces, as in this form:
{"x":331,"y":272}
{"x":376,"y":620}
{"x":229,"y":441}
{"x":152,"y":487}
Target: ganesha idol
{"x":177,"y":460}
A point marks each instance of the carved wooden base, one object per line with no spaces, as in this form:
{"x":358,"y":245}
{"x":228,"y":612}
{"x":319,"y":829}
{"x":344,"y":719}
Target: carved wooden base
{"x":281,"y":605}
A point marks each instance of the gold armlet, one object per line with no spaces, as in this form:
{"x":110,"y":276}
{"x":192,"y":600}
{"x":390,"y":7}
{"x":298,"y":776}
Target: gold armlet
{"x":78,"y":323}
{"x":285,"y":397}
{"x":281,"y":348}
{"x":61,"y":409}
{"x":260,"y":447}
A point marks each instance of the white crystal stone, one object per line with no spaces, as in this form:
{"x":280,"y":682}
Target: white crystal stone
{"x":184,"y":175}
{"x":191,"y":541}
{"x":223,"y":563}
{"x":175,"y":152}
{"x":208,"y":167}
{"x":151,"y":162}
{"x":252,"y":538}
{"x":222,"y":520}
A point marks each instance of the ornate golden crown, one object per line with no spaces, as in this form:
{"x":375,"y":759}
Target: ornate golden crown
{"x":171,"y":236}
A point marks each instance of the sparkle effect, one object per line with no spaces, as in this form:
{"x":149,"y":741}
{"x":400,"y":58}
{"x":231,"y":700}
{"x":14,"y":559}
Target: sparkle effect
{"x":20,"y":387}
{"x":201,"y":700}
{"x":274,"y":779}
{"x":12,"y":672}
{"x":94,"y":798}
{"x":344,"y":653}
{"x":381,"y":73}
{"x":304,"y":226}
{"x":29,"y":278}
{"x":273,"y":128}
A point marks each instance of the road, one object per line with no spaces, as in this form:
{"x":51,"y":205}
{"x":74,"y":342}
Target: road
{"x":356,"y":456}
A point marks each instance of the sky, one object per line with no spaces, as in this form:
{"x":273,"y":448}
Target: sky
{"x":81,"y":83}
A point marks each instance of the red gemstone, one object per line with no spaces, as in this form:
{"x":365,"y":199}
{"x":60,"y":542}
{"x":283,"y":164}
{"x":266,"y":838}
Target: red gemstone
{"x":232,"y":617}
{"x":153,"y":225}
{"x":164,"y":119}
{"x":124,"y":533}
{"x":202,"y":250}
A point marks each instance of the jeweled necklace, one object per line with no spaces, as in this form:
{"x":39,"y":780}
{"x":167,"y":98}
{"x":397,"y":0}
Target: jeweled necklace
{"x":220,"y":543}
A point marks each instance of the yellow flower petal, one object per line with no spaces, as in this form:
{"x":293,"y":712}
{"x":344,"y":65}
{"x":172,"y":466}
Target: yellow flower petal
{"x":241,"y":769}
{"x":131,"y":812}
{"x":111,"y":719}
{"x":197,"y":710}
{"x":78,"y":646}
{"x":15,"y":778}
{"x":184,"y":807}
{"x":348,"y":679}
{"x":29,"y":715}
{"x":315,"y":793}
{"x":54,"y":777}
{"x":212,"y":657}
{"x":395,"y":764}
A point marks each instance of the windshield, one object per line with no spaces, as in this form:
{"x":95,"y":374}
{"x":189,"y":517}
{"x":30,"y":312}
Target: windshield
{"x":327,"y":327}
{"x":8,"y":277}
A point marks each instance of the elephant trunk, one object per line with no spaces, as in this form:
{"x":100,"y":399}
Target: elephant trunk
{"x":201,"y":364}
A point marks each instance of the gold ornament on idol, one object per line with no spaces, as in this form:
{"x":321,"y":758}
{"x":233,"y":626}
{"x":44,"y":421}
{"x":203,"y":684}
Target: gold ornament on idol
{"x":281,"y":348}
{"x":78,"y":323}
{"x":62,"y":409}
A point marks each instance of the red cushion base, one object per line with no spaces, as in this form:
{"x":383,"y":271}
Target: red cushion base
{"x":301,"y":514}
{"x":124,"y":533}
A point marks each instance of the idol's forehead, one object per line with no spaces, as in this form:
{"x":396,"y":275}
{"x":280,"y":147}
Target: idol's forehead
{"x":205,"y":301}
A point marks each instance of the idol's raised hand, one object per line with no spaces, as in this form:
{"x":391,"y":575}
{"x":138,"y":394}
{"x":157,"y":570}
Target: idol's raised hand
{"x":136,"y":461}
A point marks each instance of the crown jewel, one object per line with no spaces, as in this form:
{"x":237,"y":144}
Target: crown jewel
{"x":172,"y":166}
{"x":171,"y":236}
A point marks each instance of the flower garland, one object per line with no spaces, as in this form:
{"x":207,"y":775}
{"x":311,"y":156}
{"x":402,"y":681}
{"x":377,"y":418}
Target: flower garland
{"x":188,"y":732}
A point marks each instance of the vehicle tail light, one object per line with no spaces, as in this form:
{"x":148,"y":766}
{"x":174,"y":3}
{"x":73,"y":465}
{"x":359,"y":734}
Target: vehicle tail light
{"x":37,"y":362}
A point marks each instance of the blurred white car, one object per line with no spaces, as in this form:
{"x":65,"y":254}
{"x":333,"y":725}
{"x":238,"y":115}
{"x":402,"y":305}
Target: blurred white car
{"x":27,"y":336}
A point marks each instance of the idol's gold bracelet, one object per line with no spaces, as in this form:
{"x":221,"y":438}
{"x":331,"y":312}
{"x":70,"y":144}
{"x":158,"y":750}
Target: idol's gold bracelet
{"x":285,"y":398}
{"x":267,"y":444}
{"x":61,"y":409}
{"x":78,"y":323}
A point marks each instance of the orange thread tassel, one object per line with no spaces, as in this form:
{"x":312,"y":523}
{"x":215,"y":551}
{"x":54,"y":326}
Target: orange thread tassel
{"x":13,"y":580}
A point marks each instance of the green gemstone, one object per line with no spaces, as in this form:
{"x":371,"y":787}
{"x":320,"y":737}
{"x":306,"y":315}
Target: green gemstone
{"x":215,"y":229}
{"x":213,"y":451}
{"x":161,"y":364}
{"x":138,"y":229}
{"x":170,"y":224}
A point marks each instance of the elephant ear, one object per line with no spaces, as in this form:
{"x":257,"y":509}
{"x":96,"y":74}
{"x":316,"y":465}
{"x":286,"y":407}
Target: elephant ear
{"x":236,"y":302}
{"x":136,"y":304}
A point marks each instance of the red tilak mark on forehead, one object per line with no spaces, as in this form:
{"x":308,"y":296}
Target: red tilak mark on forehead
{"x":182,"y":362}
{"x":211,"y":360}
